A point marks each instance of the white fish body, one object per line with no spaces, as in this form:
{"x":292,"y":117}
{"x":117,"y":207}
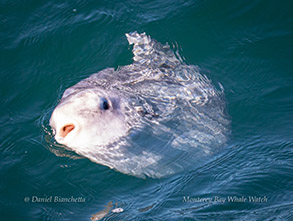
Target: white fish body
{"x":144,"y":117}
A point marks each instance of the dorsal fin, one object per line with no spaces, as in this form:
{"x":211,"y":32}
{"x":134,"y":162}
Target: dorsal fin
{"x":149,"y":52}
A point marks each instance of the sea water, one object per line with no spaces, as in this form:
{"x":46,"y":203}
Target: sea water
{"x":48,"y":46}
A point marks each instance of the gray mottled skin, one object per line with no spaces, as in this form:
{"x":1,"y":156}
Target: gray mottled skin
{"x":156,"y":91}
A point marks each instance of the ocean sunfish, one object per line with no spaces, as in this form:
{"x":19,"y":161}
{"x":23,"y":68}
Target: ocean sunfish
{"x":154,"y":117}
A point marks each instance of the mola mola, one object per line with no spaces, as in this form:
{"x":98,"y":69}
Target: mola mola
{"x":154,"y":117}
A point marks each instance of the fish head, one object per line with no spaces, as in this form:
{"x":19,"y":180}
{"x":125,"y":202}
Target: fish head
{"x":89,"y":117}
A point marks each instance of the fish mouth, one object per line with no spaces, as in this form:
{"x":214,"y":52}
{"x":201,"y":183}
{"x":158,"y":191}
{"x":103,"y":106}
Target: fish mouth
{"x":65,"y":130}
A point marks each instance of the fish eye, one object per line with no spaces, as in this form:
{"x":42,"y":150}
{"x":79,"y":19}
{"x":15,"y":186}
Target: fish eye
{"x":104,"y":104}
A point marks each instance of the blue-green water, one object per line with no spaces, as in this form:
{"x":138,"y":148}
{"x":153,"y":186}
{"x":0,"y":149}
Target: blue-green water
{"x":47,"y":46}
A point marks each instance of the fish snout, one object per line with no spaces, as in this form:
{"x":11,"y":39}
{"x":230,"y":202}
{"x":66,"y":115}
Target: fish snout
{"x":66,"y":129}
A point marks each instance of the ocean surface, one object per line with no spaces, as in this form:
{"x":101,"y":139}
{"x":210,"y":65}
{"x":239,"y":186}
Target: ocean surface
{"x":48,"y":46}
